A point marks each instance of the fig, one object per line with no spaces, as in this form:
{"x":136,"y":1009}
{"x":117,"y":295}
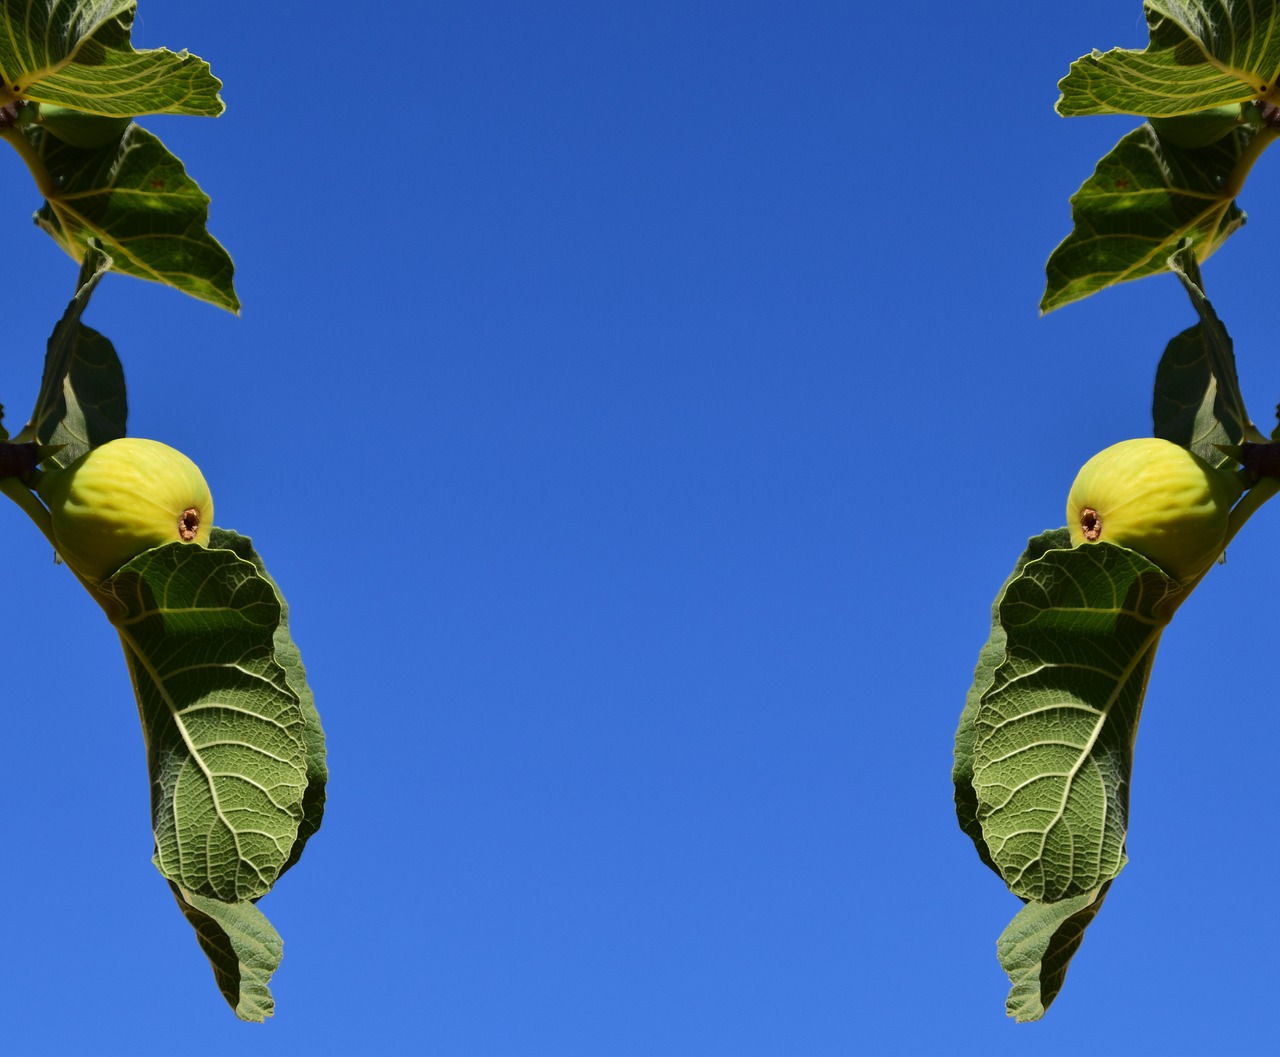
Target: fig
{"x":80,"y":129}
{"x":1200,"y":129}
{"x":122,"y":498}
{"x":1157,"y":498}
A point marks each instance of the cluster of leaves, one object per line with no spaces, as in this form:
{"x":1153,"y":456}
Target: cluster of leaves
{"x":235,"y":749}
{"x":1152,"y":191}
{"x":71,"y":84}
{"x":1044,"y":749}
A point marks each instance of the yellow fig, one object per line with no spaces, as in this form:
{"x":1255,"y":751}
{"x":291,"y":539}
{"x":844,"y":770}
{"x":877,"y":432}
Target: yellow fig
{"x":122,"y":498}
{"x":1157,"y":498}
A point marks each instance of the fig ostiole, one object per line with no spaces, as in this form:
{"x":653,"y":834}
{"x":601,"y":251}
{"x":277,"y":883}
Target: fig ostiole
{"x":1157,"y":498}
{"x":122,"y":498}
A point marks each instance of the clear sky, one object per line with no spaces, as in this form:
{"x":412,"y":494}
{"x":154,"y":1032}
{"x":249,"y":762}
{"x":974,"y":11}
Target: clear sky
{"x":639,"y":405}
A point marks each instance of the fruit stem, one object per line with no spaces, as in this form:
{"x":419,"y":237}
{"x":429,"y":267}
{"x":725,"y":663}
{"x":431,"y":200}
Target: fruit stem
{"x":1262,"y":139}
{"x":34,"y":163}
{"x":30,"y":504}
{"x":38,"y":513}
{"x":1253,"y":499}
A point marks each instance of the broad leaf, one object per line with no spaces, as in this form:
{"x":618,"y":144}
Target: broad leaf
{"x":290,"y":659}
{"x":78,"y":53}
{"x":1143,"y":199}
{"x":1037,"y":946}
{"x":1197,"y":401}
{"x":1202,"y":53}
{"x":82,"y":399}
{"x":225,"y":732}
{"x":138,"y":201}
{"x":242,"y":947}
{"x":989,"y":659}
{"x":1055,"y":732}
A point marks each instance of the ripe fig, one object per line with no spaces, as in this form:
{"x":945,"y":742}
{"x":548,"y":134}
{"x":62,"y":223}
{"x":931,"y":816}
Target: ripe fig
{"x":122,"y":498}
{"x":1157,"y":498}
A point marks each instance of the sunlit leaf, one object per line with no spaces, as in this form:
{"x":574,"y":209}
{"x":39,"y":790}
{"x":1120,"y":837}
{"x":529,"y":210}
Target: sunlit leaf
{"x":138,"y":201}
{"x":78,"y":53}
{"x":1055,"y":732}
{"x":1202,"y":53}
{"x":1143,"y":199}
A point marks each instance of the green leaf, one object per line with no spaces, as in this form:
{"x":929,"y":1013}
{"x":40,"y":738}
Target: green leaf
{"x":989,"y":659}
{"x":1202,"y":53}
{"x":1197,"y":401}
{"x":224,"y":730}
{"x":1143,"y":200}
{"x":137,"y":199}
{"x":78,"y":53}
{"x":82,"y":400}
{"x":290,"y":659}
{"x":242,"y":947}
{"x":1055,"y":732}
{"x":1037,"y":946}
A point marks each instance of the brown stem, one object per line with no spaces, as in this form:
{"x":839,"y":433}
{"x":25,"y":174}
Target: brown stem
{"x":1261,"y":459}
{"x":19,"y":460}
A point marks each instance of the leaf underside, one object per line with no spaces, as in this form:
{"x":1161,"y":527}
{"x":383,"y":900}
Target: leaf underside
{"x":224,"y":730}
{"x":1144,"y":199}
{"x":78,"y":53}
{"x":1044,"y":749}
{"x":289,"y":658}
{"x":1197,"y":401}
{"x":1202,"y":54}
{"x":989,"y":659}
{"x":82,"y":401}
{"x":242,"y":947}
{"x":1037,"y":947}
{"x":1055,"y":732}
{"x":137,"y":200}
{"x":234,"y":744}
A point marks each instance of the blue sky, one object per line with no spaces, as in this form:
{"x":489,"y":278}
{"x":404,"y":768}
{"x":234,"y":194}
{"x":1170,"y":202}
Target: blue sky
{"x":639,"y":405}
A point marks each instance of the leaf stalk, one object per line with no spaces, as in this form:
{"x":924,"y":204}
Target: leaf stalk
{"x":1265,"y":136}
{"x":30,"y":504}
{"x":1250,"y":503}
{"x":31,"y":159}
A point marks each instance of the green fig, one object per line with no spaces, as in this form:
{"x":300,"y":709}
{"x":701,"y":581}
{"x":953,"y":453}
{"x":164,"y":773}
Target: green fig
{"x":1200,"y":129}
{"x":1157,"y":498}
{"x":122,"y":498}
{"x":80,"y":129}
